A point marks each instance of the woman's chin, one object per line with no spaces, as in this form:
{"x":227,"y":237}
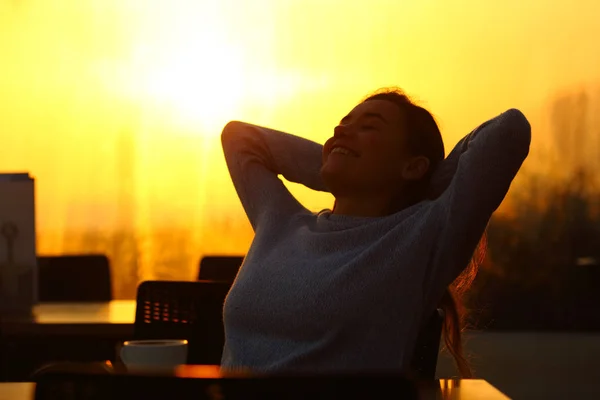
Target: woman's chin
{"x":337,"y":181}
{"x":335,"y":168}
{"x":330,"y":174}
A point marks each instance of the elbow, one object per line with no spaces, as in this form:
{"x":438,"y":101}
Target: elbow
{"x":236,"y":135}
{"x":230,"y":130}
{"x":520,"y":129}
{"x":518,"y":120}
{"x":239,"y":137}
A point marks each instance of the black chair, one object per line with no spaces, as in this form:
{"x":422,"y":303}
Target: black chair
{"x":74,"y":278}
{"x":424,"y":362}
{"x":219,"y":268}
{"x":184,"y":310}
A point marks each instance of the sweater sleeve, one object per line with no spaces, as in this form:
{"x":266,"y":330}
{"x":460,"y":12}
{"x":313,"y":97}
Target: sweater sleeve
{"x":473,"y":181}
{"x":255,"y":157}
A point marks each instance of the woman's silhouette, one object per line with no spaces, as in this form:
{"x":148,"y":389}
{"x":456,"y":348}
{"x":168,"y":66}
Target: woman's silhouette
{"x":348,"y":289}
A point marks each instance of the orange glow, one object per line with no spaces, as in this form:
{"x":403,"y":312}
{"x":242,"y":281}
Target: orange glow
{"x":198,"y":371}
{"x":116,"y":106}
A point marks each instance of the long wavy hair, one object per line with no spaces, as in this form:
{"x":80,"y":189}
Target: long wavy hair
{"x":424,"y":138}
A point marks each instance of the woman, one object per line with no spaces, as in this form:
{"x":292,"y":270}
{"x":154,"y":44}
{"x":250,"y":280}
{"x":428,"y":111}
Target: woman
{"x":348,"y":289}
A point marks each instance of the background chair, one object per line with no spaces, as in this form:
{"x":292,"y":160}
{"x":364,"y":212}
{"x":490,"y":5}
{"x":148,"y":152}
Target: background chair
{"x":424,"y":362}
{"x":184,"y":310}
{"x":74,"y":278}
{"x":219,"y":268}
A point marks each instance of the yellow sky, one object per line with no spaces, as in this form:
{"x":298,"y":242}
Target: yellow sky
{"x":115,"y":106}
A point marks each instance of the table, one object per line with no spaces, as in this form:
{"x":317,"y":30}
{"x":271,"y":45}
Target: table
{"x":17,"y":391}
{"x":465,"y":389}
{"x":114,"y":319}
{"x":459,"y":389}
{"x":64,"y":331}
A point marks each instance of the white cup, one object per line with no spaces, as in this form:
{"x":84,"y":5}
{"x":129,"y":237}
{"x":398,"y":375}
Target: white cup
{"x":154,"y":354}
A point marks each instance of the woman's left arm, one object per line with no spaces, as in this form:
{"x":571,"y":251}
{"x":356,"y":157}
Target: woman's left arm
{"x":482,"y":167}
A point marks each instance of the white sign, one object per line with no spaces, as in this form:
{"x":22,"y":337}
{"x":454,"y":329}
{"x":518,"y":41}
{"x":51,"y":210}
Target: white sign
{"x":18,"y":256}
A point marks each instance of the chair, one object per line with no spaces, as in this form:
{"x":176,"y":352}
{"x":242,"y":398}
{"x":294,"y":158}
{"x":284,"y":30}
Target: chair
{"x":219,"y":268}
{"x":74,"y":278}
{"x":424,"y":362}
{"x":184,"y":310}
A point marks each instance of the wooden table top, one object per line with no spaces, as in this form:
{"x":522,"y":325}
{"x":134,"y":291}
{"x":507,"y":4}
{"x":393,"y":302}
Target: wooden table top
{"x":465,"y":389}
{"x":17,"y":391}
{"x":112,"y":312}
{"x":112,"y":318}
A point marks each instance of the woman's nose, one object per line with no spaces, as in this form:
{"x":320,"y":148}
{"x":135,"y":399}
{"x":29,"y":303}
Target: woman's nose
{"x":340,"y":130}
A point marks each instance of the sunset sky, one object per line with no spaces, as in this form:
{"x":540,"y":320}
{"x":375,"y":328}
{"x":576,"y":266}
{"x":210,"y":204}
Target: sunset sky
{"x":116,"y":106}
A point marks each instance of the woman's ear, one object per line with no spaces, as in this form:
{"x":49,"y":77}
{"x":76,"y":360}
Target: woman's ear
{"x":415,"y":168}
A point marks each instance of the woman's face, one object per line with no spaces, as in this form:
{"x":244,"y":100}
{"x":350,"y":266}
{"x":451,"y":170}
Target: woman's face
{"x":368,"y":153}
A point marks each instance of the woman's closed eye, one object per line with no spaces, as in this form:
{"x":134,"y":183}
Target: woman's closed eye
{"x":369,"y":127}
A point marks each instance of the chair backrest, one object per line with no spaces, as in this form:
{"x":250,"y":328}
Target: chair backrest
{"x":424,"y":362}
{"x":219,"y":268}
{"x":74,"y":278}
{"x":184,"y":310}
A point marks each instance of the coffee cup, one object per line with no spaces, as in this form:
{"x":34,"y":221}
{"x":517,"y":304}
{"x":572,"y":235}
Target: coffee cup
{"x":154,"y":354}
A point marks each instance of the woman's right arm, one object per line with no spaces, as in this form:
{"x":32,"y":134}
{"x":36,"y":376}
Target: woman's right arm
{"x":255,"y":157}
{"x":482,"y":168}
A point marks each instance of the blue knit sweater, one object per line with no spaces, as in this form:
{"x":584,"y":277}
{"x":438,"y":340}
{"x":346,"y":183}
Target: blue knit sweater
{"x":324,"y":292}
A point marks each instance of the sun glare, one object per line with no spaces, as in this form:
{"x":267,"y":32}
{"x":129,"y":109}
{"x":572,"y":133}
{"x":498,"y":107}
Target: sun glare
{"x":199,"y":83}
{"x":184,"y":68}
{"x":191,"y":66}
